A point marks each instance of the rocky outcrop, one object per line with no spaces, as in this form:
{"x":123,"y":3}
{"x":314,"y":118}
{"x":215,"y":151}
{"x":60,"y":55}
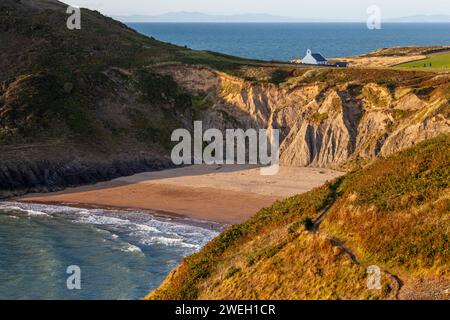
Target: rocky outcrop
{"x":21,"y":177}
{"x":326,"y":122}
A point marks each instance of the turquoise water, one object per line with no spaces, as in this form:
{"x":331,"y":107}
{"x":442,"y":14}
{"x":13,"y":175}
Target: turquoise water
{"x":122,"y":255}
{"x":285,"y":41}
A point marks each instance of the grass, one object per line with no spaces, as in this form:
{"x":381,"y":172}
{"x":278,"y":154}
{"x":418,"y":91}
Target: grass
{"x":218,"y":61}
{"x":393,"y":214}
{"x":318,"y":117}
{"x":433,"y":62}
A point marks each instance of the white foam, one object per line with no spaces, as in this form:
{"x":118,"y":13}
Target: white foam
{"x":147,"y":228}
{"x":36,"y":213}
{"x":132,"y":248}
{"x":170,"y":242}
{"x":29,"y":212}
{"x":102,"y":220}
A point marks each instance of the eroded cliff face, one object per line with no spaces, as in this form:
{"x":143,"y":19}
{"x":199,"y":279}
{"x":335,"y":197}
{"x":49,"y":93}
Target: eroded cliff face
{"x":328,"y":118}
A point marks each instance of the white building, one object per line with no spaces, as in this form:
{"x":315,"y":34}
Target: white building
{"x":314,"y":58}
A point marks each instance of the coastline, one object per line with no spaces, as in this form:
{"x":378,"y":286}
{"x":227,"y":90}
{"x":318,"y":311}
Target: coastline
{"x":219,"y":194}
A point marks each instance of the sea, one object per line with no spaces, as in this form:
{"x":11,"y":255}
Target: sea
{"x":286,"y":41}
{"x":62,"y":252}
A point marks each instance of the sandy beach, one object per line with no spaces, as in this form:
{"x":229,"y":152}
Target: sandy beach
{"x":223,"y":194}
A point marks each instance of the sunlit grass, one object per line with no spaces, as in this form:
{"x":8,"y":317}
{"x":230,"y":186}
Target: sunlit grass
{"x":433,"y":62}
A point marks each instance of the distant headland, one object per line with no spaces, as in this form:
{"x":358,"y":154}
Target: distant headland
{"x":198,"y":17}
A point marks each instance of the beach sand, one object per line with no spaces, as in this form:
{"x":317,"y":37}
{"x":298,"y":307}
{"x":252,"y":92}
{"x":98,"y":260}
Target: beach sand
{"x":224,"y":194}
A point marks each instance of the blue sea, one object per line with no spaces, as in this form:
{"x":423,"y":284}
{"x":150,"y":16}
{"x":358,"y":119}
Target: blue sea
{"x":285,"y":41}
{"x":121,"y":254}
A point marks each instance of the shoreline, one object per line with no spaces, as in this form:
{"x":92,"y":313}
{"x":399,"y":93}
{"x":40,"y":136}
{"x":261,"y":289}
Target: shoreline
{"x":218,"y":194}
{"x":159,"y":214}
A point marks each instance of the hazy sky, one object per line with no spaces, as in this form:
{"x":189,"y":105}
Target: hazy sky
{"x":314,"y":9}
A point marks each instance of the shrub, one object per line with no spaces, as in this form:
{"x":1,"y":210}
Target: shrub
{"x":232,"y":271}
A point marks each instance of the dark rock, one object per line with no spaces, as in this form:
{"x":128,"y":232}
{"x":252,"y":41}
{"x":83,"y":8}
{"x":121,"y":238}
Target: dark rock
{"x":21,"y":177}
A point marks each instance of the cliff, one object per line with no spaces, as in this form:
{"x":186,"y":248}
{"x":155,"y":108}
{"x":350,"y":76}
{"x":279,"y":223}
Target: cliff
{"x":328,"y":117}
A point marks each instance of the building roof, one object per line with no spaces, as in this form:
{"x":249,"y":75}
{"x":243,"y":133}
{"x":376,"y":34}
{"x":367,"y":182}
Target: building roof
{"x":318,"y":57}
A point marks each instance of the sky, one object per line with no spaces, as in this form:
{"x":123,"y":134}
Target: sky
{"x":325,"y":9}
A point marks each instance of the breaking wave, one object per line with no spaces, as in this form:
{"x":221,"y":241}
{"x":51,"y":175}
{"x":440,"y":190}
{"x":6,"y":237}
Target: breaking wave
{"x":139,"y":228}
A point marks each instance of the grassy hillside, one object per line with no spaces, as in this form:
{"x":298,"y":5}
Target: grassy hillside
{"x":395,"y":56}
{"x":63,"y":87}
{"x":407,"y":51}
{"x":437,"y":62}
{"x":393,"y":214}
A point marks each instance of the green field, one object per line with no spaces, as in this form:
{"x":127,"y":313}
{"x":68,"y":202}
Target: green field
{"x":435,"y":62}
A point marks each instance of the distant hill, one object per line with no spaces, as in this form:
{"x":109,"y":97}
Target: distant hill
{"x":422,"y":19}
{"x":186,"y":17}
{"x":202,"y":17}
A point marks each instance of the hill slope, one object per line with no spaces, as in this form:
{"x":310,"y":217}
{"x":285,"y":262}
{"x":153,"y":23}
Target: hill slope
{"x":75,"y":84}
{"x":393,"y":214}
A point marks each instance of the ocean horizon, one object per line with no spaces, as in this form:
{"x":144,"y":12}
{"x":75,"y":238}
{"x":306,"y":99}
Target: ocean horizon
{"x":287,"y":41}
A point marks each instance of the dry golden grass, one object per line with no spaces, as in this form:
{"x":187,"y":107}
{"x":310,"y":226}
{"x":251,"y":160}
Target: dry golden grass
{"x":300,"y":266}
